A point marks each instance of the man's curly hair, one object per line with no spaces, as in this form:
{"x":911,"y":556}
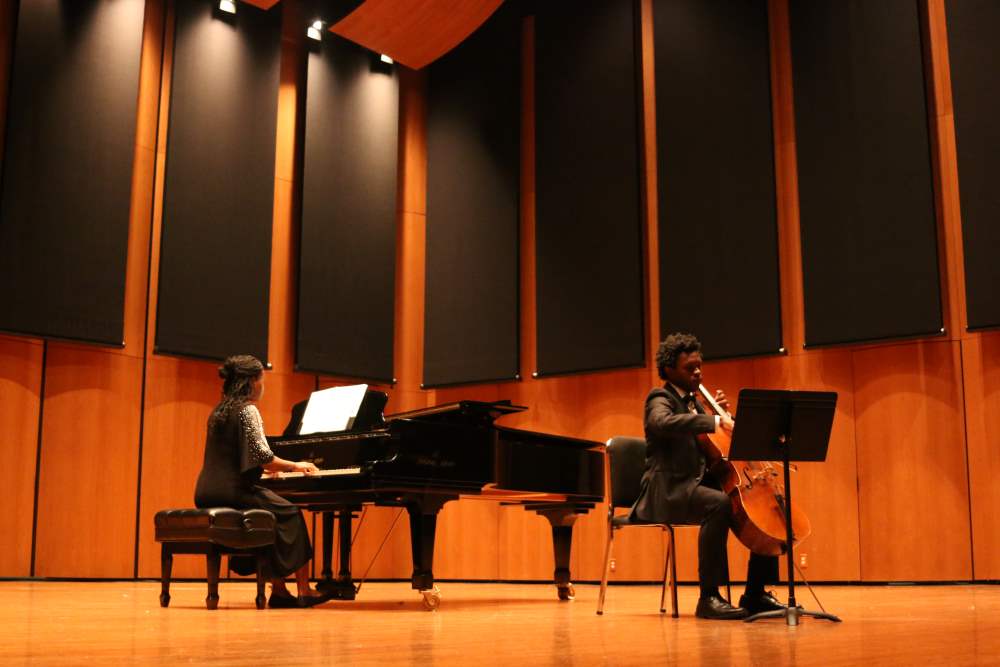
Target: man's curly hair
{"x":671,"y":348}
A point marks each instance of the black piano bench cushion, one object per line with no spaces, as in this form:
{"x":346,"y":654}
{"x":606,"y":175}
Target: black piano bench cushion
{"x":224,"y":526}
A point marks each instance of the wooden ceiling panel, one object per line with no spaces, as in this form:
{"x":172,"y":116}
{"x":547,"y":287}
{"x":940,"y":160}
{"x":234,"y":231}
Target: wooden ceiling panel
{"x":263,"y":4}
{"x":414,"y":32}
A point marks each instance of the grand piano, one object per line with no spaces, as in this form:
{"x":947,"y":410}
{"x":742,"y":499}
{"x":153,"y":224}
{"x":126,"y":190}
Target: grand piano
{"x":422,"y":459}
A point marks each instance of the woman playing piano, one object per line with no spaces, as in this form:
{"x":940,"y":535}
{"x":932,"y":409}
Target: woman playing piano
{"x":236,"y":453}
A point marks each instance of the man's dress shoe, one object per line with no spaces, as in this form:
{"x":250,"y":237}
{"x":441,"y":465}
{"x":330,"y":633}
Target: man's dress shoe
{"x":715,"y":608}
{"x":755,"y":604}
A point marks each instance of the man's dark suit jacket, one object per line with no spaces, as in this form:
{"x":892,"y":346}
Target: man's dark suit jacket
{"x":674,"y":462}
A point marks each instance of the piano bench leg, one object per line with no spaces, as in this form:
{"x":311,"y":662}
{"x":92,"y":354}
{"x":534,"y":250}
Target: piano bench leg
{"x":166,"y":567}
{"x":261,"y":599}
{"x":212,"y":561}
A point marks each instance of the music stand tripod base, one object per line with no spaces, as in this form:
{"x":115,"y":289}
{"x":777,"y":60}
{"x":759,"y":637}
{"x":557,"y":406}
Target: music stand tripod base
{"x":792,"y":615}
{"x":784,"y":426}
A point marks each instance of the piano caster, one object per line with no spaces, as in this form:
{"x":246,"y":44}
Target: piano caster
{"x":432,"y":598}
{"x":566,"y":592}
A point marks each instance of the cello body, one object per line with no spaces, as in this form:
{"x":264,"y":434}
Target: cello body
{"x":756,"y":490}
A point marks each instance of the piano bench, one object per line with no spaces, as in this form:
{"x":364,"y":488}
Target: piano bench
{"x":213,"y":532}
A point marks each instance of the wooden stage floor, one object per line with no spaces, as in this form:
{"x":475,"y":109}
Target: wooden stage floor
{"x":76,"y":623}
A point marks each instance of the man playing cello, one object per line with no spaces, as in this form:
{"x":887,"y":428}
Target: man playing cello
{"x":676,"y":487}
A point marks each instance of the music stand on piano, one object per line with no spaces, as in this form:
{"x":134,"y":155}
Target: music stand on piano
{"x":369,"y":413}
{"x":774,"y":425}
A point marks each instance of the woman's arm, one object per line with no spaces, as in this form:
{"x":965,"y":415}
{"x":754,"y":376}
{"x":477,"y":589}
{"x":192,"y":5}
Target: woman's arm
{"x":281,"y":465}
{"x":258,"y":452}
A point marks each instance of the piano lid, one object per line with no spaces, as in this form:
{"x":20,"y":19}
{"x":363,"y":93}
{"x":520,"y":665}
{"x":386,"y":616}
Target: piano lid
{"x":464,"y":411}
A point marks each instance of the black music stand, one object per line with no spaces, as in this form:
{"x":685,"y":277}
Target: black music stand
{"x":784,"y":426}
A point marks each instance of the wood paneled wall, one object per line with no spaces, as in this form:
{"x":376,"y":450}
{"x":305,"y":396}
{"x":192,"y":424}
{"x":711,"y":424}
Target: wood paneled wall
{"x":21,"y":363}
{"x":906,"y":494}
{"x":976,"y":352}
{"x":88,"y":472}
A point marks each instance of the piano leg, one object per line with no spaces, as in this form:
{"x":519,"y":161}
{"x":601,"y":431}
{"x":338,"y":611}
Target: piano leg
{"x":423,"y":522}
{"x":562,"y":520}
{"x":327,"y":519}
{"x":422,"y":528}
{"x":341,"y":588}
{"x":344,"y":589}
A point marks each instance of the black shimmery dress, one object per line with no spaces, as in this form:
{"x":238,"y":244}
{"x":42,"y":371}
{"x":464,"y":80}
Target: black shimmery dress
{"x":235,"y":450}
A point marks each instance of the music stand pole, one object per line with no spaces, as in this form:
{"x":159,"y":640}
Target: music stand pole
{"x":793,"y":611}
{"x":786,"y":464}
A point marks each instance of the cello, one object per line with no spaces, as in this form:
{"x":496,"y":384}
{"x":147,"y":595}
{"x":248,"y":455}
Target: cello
{"x":756,"y":490}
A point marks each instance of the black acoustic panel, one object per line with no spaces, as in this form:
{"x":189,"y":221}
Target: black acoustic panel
{"x":348,"y":248}
{"x":473,"y":164}
{"x":869,"y":245}
{"x":718,"y":234}
{"x":588,"y":219}
{"x":67,"y":169}
{"x":215,"y":257}
{"x":973,"y":30}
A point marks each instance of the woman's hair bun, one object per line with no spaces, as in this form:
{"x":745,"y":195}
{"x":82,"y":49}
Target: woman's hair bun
{"x":240,"y":365}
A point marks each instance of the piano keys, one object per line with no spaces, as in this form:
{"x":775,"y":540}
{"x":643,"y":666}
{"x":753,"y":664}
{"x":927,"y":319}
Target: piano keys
{"x":322,"y":473}
{"x":422,"y":459}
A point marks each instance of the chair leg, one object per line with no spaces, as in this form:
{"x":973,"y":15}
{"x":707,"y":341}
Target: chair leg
{"x":673,"y":573}
{"x":212,"y":560}
{"x":260,"y":599}
{"x":666,"y":573}
{"x":166,"y":566}
{"x":607,"y":565}
{"x":729,"y":589}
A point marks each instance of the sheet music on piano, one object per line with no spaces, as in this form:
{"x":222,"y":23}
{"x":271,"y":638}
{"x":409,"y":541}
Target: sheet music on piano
{"x":333,"y":409}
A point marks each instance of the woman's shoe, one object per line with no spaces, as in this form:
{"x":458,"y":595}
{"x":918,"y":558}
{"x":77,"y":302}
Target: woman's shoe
{"x":312,"y":600}
{"x":283,"y":601}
